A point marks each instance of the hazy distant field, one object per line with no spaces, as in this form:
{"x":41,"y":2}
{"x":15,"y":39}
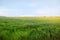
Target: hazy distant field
{"x":30,"y":28}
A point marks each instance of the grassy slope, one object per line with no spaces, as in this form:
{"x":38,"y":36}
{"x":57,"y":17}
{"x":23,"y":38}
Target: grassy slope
{"x":30,"y":28}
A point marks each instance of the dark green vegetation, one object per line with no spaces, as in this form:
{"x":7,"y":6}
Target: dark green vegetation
{"x":30,"y":28}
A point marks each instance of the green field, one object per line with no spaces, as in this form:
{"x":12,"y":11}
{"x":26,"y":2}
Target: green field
{"x":29,"y":28}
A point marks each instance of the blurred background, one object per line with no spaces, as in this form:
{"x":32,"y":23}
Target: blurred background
{"x":29,"y":8}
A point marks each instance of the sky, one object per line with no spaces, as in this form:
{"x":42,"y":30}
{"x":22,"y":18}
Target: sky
{"x":29,"y":7}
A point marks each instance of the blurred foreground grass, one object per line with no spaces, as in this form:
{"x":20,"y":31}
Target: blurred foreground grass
{"x":30,"y":28}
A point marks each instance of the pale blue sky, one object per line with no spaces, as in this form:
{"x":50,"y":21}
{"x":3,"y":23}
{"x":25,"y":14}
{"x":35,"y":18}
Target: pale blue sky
{"x":29,"y":7}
